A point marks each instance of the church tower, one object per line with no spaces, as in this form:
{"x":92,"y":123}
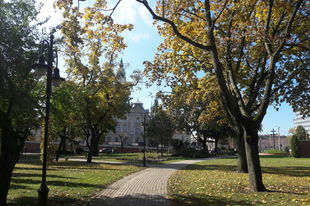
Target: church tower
{"x":121,"y":70}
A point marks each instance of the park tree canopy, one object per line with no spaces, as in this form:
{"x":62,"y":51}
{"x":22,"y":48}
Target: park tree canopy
{"x":258,"y":51}
{"x":20,"y":91}
{"x":92,"y":43}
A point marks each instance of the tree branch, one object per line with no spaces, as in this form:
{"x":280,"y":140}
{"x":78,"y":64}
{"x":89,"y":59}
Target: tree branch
{"x":174,"y":27}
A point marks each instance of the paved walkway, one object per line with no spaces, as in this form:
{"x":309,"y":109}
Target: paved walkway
{"x":145,"y":188}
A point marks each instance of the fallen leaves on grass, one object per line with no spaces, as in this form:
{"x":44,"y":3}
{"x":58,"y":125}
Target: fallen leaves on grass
{"x":208,"y":184}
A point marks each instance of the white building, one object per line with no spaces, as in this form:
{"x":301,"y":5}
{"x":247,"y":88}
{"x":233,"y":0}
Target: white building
{"x":299,"y":121}
{"x":131,"y":127}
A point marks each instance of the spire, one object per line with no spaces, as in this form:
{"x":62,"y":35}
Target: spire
{"x":121,"y":65}
{"x":121,"y":69}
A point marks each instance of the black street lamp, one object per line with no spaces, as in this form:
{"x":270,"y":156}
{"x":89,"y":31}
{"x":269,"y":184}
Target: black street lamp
{"x":144,"y":124}
{"x":40,"y":69}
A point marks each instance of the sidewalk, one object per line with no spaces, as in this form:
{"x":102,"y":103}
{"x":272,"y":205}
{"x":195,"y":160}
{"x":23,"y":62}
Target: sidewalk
{"x":145,"y":188}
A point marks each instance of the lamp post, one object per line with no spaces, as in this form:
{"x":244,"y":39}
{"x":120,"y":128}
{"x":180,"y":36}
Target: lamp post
{"x":144,"y":124}
{"x":274,"y":143}
{"x":279,"y":144}
{"x":40,"y":69}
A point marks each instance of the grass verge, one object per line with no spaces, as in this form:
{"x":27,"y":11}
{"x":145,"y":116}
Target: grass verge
{"x":215,"y":182}
{"x":274,"y":151}
{"x":70,"y":183}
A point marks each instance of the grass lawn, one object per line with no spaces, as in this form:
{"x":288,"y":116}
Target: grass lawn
{"x":151,"y":157}
{"x":70,"y":183}
{"x":215,"y":182}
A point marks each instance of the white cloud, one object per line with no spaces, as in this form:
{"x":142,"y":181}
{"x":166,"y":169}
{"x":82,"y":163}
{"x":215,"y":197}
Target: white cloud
{"x":48,"y":11}
{"x":137,"y":36}
{"x":131,"y":11}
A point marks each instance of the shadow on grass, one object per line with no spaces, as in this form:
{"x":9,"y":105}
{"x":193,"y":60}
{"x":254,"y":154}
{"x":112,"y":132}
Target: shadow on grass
{"x":52,"y":201}
{"x":149,"y":200}
{"x":202,"y":199}
{"x":290,"y":171}
{"x":272,"y":156}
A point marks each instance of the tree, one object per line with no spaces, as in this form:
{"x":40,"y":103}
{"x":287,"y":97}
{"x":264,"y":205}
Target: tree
{"x":301,"y":133}
{"x":177,"y":144}
{"x":160,"y":129}
{"x":123,"y":140}
{"x":256,"y":50}
{"x":200,"y":112}
{"x":92,"y":44}
{"x":63,"y":111}
{"x":295,"y":147}
{"x":20,"y":91}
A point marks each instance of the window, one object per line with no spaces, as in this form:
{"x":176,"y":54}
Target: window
{"x":125,"y":128}
{"x":137,"y":130}
{"x":138,"y":120}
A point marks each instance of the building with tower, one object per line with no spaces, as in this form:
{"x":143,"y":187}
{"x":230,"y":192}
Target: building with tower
{"x":129,"y":128}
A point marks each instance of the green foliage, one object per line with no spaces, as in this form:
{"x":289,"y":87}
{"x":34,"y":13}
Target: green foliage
{"x":301,"y":133}
{"x":287,"y":149}
{"x":21,"y":93}
{"x":295,"y":147}
{"x":79,"y":150}
{"x":191,"y":152}
{"x":93,"y":43}
{"x":161,"y":128}
{"x":177,"y":144}
{"x":247,"y":47}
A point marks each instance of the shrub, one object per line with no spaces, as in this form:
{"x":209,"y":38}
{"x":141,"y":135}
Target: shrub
{"x":79,"y":150}
{"x":287,"y":149}
{"x":295,"y":147}
{"x":177,"y":144}
{"x":190,"y":152}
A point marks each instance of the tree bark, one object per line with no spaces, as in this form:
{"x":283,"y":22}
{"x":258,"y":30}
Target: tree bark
{"x":252,"y":156}
{"x":242,"y":162}
{"x":11,"y":146}
{"x":59,"y":148}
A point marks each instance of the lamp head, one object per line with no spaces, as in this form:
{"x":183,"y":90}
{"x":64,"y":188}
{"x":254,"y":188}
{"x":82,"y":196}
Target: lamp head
{"x":40,"y":67}
{"x":56,"y":79}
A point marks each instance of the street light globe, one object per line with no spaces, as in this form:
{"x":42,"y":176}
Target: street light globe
{"x":40,"y":68}
{"x":56,"y":79}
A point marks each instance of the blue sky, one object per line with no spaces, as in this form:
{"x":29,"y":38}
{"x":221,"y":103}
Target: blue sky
{"x":142,"y":43}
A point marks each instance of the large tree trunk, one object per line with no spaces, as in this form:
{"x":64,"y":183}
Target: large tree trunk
{"x":242,"y":162}
{"x":204,"y":142}
{"x":11,"y":146}
{"x":216,"y":140}
{"x":90,"y":152}
{"x":59,"y":148}
{"x":251,"y":147}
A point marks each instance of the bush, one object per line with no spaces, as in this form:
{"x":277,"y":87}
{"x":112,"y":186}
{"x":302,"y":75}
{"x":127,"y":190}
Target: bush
{"x":79,"y":150}
{"x":295,"y":147}
{"x":177,"y":144}
{"x":190,"y":152}
{"x":287,"y":149}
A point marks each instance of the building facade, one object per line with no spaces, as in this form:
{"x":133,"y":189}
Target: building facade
{"x":130,"y":128}
{"x":299,"y":121}
{"x":272,"y":142}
